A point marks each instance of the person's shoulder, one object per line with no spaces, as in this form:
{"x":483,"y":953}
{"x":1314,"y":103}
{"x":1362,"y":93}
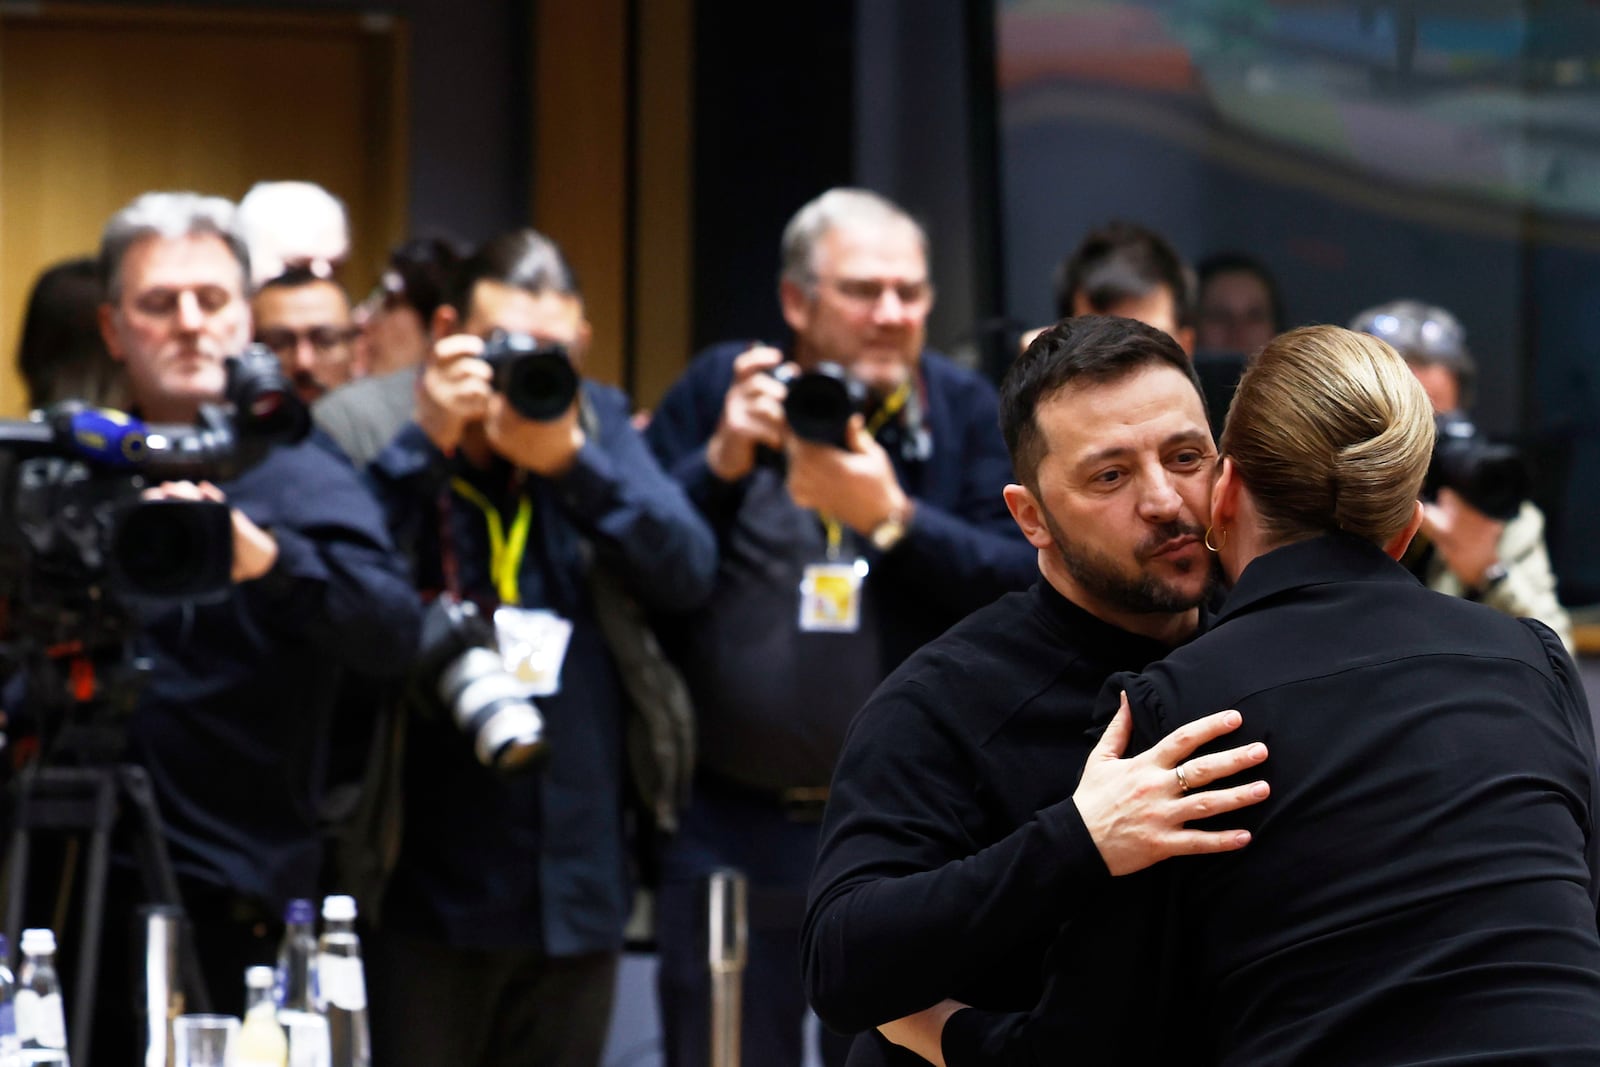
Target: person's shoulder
{"x":940,"y":371}
{"x":978,"y":672}
{"x":356,"y":397}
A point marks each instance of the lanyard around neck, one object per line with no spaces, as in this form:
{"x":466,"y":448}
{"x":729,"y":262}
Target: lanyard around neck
{"x":505,"y":551}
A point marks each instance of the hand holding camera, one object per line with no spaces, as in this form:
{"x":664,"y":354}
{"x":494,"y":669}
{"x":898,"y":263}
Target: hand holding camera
{"x":454,"y":390}
{"x":752,"y":415}
{"x":855,"y":484}
{"x":254,"y":549}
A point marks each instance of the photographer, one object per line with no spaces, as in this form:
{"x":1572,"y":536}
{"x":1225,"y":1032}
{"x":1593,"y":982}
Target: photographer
{"x":1462,"y":550}
{"x":844,"y":548}
{"x":232,"y":720}
{"x":517,"y":487}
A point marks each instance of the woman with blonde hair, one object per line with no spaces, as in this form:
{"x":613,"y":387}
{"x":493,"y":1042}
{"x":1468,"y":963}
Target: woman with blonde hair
{"x":1421,"y":885}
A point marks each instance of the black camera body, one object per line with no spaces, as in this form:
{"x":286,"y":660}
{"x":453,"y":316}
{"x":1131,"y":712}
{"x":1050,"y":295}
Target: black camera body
{"x":77,"y":541}
{"x":464,"y":680}
{"x":1493,"y":478}
{"x":537,"y":379}
{"x":820,"y":401}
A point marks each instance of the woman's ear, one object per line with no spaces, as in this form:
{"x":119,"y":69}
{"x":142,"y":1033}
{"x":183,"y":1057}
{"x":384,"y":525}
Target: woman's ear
{"x":1225,"y":495}
{"x":1401,"y":541}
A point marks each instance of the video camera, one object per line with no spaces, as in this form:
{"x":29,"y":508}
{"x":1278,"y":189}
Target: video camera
{"x":1493,"y":478}
{"x":77,"y":541}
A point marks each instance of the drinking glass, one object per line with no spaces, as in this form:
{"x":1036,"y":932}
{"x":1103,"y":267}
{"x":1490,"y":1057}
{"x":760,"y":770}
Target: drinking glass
{"x":204,"y":1040}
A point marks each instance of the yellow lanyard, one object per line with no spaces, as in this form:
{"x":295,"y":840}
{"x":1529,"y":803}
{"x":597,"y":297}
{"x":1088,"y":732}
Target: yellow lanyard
{"x":505,"y":553}
{"x":880,"y":418}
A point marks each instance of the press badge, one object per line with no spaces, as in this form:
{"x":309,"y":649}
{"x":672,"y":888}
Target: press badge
{"x":830,"y":597}
{"x":533,"y":646}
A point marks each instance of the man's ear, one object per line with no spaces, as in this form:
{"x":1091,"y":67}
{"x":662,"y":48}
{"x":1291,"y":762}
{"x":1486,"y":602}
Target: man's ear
{"x":1028,"y":515}
{"x":445,"y":322}
{"x":1185,"y":339}
{"x":796,"y":303}
{"x":1401,"y":541}
{"x":104,"y":314}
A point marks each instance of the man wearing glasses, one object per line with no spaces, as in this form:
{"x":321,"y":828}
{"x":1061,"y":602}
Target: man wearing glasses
{"x":305,"y":320}
{"x":838,"y":558}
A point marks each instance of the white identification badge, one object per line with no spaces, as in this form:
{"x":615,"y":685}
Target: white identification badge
{"x":830,"y":597}
{"x":533,"y":646}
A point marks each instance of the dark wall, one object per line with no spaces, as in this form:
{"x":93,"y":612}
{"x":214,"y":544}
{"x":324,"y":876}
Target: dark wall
{"x":773,"y":127}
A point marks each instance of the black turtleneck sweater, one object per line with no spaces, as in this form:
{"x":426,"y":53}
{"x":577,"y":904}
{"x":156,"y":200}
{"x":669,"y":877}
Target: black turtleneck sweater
{"x":951,"y":851}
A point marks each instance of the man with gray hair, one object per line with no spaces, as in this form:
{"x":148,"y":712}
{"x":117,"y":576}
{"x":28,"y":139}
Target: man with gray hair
{"x":293,"y":224}
{"x":231,"y":724}
{"x":854,"y":480}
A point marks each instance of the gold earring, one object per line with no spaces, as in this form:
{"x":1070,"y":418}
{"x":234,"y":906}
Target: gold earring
{"x":1212,"y":547}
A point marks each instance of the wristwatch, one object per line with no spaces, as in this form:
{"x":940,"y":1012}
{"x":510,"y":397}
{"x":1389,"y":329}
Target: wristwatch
{"x":1493,"y":575}
{"x":890,"y":532}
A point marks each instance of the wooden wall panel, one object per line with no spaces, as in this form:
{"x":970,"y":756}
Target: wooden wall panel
{"x":99,"y":104}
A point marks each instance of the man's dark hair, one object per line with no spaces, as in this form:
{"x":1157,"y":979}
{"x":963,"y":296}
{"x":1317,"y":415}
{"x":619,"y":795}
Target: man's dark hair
{"x":1244,"y":263}
{"x":1123,"y":261}
{"x":521,"y":259}
{"x":298,"y":278}
{"x":419,"y":271}
{"x":1096,"y":349}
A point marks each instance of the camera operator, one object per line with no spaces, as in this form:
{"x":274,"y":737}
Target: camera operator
{"x":232,"y":719}
{"x":892,"y":538}
{"x":1502,"y":562}
{"x":515,"y":486}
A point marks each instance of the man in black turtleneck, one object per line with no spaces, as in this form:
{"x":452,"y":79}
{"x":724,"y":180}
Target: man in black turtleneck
{"x":959,"y":836}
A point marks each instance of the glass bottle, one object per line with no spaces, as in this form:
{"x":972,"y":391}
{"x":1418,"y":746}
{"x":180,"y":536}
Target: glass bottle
{"x":262,"y":1042}
{"x":40,"y":1019}
{"x":342,"y":984}
{"x":297,"y":958}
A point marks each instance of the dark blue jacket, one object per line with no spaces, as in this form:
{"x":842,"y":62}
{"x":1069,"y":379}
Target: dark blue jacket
{"x":233,"y":723}
{"x":773,"y":702}
{"x":536,"y":859}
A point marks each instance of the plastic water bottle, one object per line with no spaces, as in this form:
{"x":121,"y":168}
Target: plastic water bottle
{"x":40,"y":1020}
{"x":10,"y":1044}
{"x":262,"y":1042}
{"x":297,"y":958}
{"x":342,"y":984}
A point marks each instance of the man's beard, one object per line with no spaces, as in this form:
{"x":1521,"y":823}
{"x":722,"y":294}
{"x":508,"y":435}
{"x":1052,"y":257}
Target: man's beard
{"x":1099,"y":576}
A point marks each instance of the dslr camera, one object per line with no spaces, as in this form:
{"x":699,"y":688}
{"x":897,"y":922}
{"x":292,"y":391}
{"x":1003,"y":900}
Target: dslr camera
{"x":820,"y":401}
{"x":537,"y":379}
{"x":464,"y":679}
{"x":1493,"y":478}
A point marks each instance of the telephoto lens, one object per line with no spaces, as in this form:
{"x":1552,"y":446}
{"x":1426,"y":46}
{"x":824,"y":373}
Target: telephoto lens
{"x":469,"y":680}
{"x":537,"y":379}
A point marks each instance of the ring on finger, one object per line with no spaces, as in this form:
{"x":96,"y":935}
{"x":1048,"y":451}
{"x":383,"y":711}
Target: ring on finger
{"x":1183,"y":779}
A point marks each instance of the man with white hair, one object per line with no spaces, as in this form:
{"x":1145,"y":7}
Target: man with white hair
{"x":292,"y":224}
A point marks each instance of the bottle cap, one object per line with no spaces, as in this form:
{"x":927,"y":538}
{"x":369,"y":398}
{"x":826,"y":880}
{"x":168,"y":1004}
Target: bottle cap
{"x":339,"y":908}
{"x":38,"y":940}
{"x":259,"y":978}
{"x":298,"y":910}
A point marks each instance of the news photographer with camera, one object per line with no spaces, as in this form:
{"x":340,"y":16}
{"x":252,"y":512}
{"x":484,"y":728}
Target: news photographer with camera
{"x":836,"y":562}
{"x":1482,"y":538}
{"x":231,"y":722}
{"x":525,"y":497}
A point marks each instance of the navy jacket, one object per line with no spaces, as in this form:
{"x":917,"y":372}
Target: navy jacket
{"x":233,"y":723}
{"x":536,"y":860}
{"x":774,"y":701}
